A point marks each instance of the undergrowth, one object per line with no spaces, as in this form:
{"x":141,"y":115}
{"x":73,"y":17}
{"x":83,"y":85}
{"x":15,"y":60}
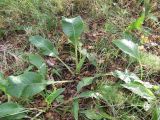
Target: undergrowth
{"x":103,"y":64}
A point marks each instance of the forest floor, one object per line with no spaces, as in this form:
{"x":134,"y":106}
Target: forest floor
{"x":99,"y":90}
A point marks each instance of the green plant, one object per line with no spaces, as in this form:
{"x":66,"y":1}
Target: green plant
{"x":25,"y":86}
{"x":137,"y":24}
{"x":143,"y":89}
{"x":84,"y":82}
{"x":156,"y":113}
{"x":28,"y":83}
{"x":75,"y":109}
{"x":137,"y":86}
{"x":73,"y":28}
{"x":38,"y":61}
{"x":93,"y":94}
{"x":46,"y":48}
{"x":130,"y":48}
{"x":11,"y":111}
{"x":52,"y":96}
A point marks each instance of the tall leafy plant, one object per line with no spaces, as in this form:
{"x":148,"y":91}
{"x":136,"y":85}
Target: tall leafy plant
{"x":73,"y":28}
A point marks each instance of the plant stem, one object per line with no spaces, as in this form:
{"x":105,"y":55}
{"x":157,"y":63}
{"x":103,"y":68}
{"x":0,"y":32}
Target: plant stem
{"x":9,"y":98}
{"x":76,"y":55}
{"x":65,"y":65}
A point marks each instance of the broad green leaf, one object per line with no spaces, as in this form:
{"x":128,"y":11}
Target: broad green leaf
{"x":84,"y":82}
{"x":94,"y":114}
{"x":75,"y":109}
{"x":38,"y":61}
{"x":73,"y":27}
{"x":11,"y":111}
{"x":156,"y":113}
{"x":137,"y":24}
{"x":140,"y":90}
{"x":46,"y":48}
{"x":44,"y":45}
{"x":129,"y":77}
{"x":126,"y":76}
{"x":25,"y":85}
{"x":128,"y":47}
{"x":50,"y":98}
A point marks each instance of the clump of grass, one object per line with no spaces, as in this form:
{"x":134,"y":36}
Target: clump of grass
{"x":150,"y":60}
{"x":93,"y":8}
{"x":36,"y":13}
